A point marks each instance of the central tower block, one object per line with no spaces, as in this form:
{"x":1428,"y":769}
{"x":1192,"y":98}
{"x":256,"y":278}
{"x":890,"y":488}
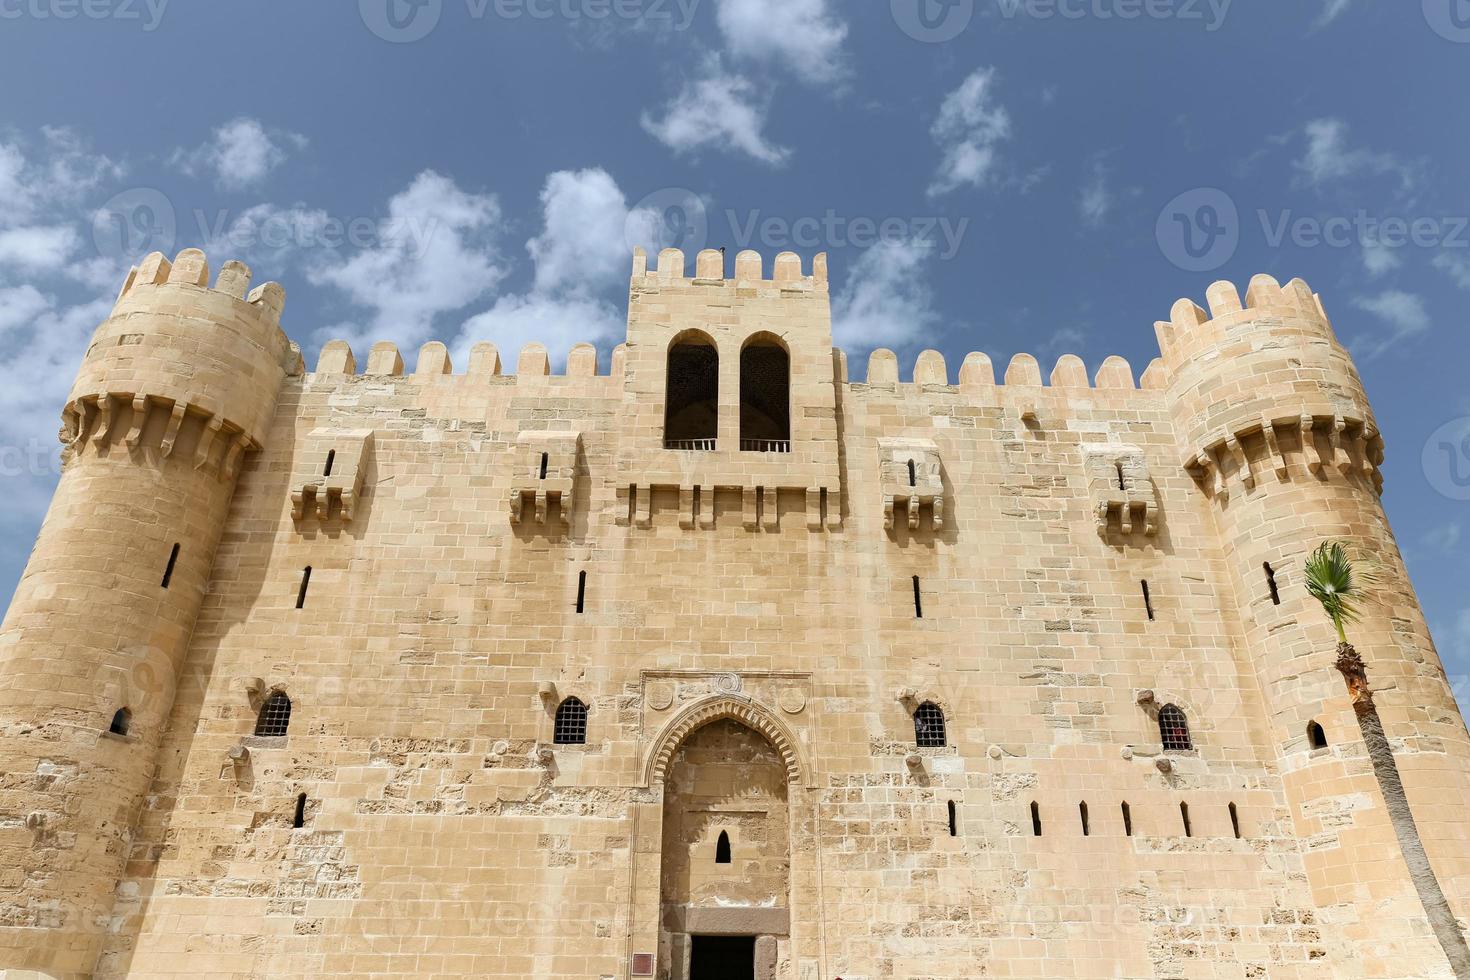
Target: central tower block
{"x":177,"y":386}
{"x":730,"y":387}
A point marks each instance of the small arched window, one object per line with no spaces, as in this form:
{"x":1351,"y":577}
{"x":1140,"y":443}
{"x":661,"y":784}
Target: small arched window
{"x":122,"y":721}
{"x":765,"y":397}
{"x":275,"y":715}
{"x":1035,"y":819}
{"x":692,"y":393}
{"x":1127,"y":819}
{"x":1316,"y":735}
{"x":571,"y":723}
{"x":1086,"y":820}
{"x":298,"y":820}
{"x":913,"y":473}
{"x":722,"y":848}
{"x":1184,"y":817}
{"x":1174,"y":729}
{"x":929,"y":730}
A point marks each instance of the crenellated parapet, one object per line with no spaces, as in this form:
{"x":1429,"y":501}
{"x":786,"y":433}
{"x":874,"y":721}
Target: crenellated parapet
{"x":1262,"y":384}
{"x":181,"y":368}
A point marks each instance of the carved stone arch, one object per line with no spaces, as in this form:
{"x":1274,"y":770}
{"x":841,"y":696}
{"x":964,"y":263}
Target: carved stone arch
{"x":722,"y":708}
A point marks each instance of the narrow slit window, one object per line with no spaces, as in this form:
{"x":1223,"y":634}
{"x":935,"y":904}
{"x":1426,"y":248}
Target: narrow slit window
{"x":1035,"y":819}
{"x":122,"y":721}
{"x":954,"y":819}
{"x":722,"y":849}
{"x":168,"y":570}
{"x":1148,"y":600}
{"x":581,"y":592}
{"x":1184,"y":816}
{"x":1122,"y":483}
{"x":1086,"y":823}
{"x":305,"y":582}
{"x":1271,"y":584}
{"x":545,"y":462}
{"x":918,"y":600}
{"x":331,"y":461}
{"x":275,"y":715}
{"x":913,"y":474}
{"x":1316,"y":735}
{"x":1127,"y":819}
{"x":1235,"y":820}
{"x":299,"y":819}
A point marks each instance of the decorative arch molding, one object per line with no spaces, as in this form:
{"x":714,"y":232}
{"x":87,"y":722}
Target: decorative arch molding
{"x":724,"y":708}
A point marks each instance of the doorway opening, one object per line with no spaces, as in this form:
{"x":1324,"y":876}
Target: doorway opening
{"x":722,"y":958}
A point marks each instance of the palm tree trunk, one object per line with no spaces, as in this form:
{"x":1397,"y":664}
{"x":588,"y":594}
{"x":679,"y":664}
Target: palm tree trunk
{"x":1386,"y":769}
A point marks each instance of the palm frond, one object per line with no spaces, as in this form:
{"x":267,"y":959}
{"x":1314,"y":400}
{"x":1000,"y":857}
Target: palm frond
{"x":1333,"y":582}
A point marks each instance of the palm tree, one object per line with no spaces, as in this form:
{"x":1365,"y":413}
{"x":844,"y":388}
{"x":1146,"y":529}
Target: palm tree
{"x":1333,"y":582}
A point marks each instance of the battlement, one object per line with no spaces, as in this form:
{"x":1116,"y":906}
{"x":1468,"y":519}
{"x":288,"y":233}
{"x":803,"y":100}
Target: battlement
{"x":1024,"y":371}
{"x":191,"y":268}
{"x":709,"y":270}
{"x":204,"y":362}
{"x":1190,"y":330}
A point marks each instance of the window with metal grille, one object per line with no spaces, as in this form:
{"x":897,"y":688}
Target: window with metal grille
{"x":571,"y":723}
{"x":929,"y":727}
{"x":1174,"y":729}
{"x":121,"y":722}
{"x":275,"y":715}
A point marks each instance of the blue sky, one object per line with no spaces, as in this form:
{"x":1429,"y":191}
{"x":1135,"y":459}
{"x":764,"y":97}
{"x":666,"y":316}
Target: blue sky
{"x":477,"y":169}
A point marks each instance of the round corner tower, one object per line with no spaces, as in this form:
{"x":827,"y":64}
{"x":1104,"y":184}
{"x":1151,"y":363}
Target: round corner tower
{"x":178,"y":383}
{"x":1275,"y":426}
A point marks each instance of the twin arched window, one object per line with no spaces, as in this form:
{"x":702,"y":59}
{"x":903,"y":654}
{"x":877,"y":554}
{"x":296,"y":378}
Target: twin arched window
{"x":692,"y":394}
{"x":275,"y":715}
{"x":571,"y":723}
{"x":1174,"y":729}
{"x":929,"y":731}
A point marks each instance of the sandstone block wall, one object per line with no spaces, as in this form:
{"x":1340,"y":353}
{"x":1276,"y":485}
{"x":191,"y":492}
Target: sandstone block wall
{"x":753,"y":636}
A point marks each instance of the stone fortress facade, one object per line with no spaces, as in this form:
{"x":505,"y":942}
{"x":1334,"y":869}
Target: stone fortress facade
{"x":716,"y":660}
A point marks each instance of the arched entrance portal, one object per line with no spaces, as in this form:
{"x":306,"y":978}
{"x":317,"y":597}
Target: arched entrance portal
{"x":725,"y":881}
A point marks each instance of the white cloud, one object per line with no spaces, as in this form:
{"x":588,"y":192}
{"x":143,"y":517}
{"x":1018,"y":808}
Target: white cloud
{"x":1456,"y":265}
{"x":1329,"y":158}
{"x":1331,"y":10}
{"x":720,"y":110}
{"x":1403,"y":313}
{"x":406,"y":280}
{"x":38,"y":180}
{"x":802,"y":34}
{"x":1096,"y":199}
{"x":556,"y":322}
{"x":19,"y":305}
{"x":886,"y":300}
{"x":968,"y":130}
{"x":241,"y":154}
{"x":580,"y":255}
{"x":38,"y":248}
{"x":583,"y":244}
{"x":1379,"y":259}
